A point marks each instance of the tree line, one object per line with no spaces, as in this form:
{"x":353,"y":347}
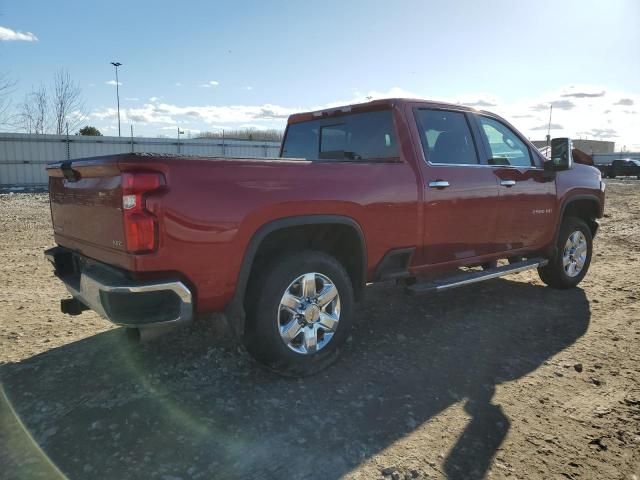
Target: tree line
{"x":274,"y":135}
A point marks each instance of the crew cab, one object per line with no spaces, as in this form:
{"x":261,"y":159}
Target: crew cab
{"x":431,"y":195}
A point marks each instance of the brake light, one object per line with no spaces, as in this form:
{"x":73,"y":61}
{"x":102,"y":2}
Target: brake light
{"x":140,"y":225}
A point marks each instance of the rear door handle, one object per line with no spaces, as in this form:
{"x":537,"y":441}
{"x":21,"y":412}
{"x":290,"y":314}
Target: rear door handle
{"x":439,"y":184}
{"x":507,"y":183}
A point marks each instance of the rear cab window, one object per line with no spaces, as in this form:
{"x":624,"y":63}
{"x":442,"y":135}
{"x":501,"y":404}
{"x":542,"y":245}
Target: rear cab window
{"x":353,"y":137}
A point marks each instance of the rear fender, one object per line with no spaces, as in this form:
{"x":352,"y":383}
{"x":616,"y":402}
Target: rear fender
{"x":235,"y":311}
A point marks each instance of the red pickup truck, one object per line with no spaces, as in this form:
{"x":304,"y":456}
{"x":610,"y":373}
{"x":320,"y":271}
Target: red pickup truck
{"x":429,"y":194}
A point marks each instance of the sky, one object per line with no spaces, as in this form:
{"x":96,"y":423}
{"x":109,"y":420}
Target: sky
{"x":212,"y":65}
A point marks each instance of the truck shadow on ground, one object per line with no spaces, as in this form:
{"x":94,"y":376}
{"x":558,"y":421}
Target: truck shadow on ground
{"x":190,"y":406}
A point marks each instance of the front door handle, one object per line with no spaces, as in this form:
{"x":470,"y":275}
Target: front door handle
{"x":439,"y":184}
{"x":507,"y":183}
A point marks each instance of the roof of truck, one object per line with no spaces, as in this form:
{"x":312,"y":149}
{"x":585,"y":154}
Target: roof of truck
{"x":369,"y":106}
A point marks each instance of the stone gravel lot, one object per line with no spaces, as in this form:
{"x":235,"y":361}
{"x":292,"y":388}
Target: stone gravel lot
{"x":504,"y":379}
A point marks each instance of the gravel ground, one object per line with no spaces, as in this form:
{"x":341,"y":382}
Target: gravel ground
{"x":507,"y":378}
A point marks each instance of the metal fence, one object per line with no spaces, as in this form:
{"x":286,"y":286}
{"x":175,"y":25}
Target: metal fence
{"x":23,"y":157}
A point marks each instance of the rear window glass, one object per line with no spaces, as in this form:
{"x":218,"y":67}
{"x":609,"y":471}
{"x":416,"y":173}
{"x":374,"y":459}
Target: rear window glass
{"x":359,"y":136}
{"x":446,"y":137}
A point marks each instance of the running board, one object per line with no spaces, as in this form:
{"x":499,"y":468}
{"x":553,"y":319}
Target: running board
{"x":474,"y":277}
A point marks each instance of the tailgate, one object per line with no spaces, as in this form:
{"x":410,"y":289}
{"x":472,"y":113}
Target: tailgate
{"x":86,"y":203}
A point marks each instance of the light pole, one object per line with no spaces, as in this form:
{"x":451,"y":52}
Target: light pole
{"x":180,"y":132}
{"x":117,"y":64}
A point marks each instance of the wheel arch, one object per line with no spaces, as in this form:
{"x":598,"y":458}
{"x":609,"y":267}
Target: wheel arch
{"x":584,"y":206}
{"x":235,"y":311}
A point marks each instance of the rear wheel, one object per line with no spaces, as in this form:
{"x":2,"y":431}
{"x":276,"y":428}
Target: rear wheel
{"x":571,"y":263}
{"x":299,"y":313}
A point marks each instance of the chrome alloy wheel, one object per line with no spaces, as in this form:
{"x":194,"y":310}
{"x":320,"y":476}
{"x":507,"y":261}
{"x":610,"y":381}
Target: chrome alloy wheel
{"x":574,"y":254}
{"x":309,"y":313}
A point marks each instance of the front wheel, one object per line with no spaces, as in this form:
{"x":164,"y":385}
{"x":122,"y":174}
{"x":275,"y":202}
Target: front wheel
{"x":573,"y":257}
{"x":299,"y":313}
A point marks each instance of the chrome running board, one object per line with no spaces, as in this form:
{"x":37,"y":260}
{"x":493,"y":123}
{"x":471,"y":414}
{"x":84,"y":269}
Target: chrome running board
{"x":474,"y":277}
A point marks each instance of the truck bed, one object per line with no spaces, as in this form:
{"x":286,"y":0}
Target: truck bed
{"x":211,"y":207}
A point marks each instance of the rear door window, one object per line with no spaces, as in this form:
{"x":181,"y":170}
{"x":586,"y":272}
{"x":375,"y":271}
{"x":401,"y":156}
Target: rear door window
{"x":359,"y":136}
{"x":446,"y":137}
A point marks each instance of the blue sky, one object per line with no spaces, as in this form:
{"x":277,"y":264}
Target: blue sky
{"x":211,"y":65}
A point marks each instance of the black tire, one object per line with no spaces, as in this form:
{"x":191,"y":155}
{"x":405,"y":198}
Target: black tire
{"x":554,"y":274}
{"x":262,"y":336}
{"x":490,"y":265}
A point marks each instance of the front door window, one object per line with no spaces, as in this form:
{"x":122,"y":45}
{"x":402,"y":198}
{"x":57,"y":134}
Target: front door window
{"x":503,"y":145}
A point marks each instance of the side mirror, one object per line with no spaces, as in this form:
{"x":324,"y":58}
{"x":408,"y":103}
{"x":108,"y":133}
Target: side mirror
{"x":561,"y":155}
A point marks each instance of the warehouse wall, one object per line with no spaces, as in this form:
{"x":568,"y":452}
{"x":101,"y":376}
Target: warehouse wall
{"x":23,"y":157}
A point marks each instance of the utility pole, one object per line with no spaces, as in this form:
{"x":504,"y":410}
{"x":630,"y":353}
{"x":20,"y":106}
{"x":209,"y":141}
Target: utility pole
{"x":223,"y":152}
{"x":179,"y":132}
{"x":117,"y":64}
{"x":549,"y":129}
{"x":68,"y":146}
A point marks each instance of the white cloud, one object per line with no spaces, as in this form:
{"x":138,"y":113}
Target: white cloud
{"x":162,"y":114}
{"x":8,"y":35}
{"x":210,"y":83}
{"x":178,"y":84}
{"x":596,"y":115}
{"x":583,"y":91}
{"x":247,"y":88}
{"x":579,"y":111}
{"x":112,"y":82}
{"x":253,"y":126}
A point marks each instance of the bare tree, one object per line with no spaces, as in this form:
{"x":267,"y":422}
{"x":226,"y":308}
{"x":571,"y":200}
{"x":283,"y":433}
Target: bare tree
{"x":67,"y":103}
{"x":34,"y":114}
{"x":27,"y":115}
{"x":6,"y":89}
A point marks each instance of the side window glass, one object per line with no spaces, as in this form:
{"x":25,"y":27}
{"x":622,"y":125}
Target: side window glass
{"x":504,"y":145}
{"x":446,"y":137}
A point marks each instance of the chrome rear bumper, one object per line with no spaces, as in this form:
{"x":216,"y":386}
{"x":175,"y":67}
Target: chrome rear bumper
{"x":118,"y":298}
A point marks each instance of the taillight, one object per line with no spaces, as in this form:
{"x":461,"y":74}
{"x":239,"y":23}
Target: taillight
{"x":140,"y":225}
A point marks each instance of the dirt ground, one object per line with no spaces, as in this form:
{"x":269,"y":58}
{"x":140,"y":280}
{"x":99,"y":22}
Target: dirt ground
{"x":506,"y":378}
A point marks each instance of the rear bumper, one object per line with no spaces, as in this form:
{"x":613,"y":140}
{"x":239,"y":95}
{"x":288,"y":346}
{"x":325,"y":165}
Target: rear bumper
{"x":114,"y":295}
